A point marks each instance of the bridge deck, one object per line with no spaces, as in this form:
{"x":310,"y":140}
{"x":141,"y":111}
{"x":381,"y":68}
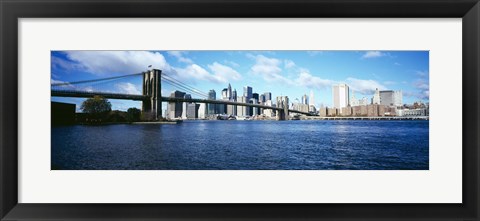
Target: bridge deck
{"x":87,"y":94}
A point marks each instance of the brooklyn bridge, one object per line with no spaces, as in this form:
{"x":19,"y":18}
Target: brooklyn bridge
{"x":151,"y":95}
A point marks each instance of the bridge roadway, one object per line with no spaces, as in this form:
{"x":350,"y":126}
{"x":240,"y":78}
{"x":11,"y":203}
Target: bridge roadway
{"x":87,"y":94}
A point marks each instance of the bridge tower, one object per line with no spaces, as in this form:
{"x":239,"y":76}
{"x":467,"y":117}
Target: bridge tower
{"x":282,"y":102}
{"x":152,"y":87}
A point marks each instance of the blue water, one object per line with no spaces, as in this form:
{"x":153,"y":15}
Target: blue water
{"x":244,"y":145}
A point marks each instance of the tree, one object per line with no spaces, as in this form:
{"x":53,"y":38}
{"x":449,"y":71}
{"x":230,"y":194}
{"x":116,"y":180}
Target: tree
{"x":133,"y":114}
{"x":97,"y":107}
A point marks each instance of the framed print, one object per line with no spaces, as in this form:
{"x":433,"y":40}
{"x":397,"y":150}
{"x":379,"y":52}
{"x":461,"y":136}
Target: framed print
{"x":165,"y":110}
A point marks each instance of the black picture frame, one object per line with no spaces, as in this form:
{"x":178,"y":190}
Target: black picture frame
{"x":12,"y":10}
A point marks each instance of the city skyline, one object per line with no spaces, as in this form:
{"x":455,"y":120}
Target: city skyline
{"x":282,"y":73}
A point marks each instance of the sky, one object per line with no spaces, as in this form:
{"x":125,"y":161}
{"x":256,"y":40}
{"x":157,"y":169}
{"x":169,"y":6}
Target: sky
{"x":283,"y":73}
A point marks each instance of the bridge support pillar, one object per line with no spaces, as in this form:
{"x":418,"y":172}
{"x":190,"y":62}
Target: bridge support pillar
{"x":282,"y":114}
{"x":152,"y":87}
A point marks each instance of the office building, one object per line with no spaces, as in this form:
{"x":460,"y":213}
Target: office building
{"x":247,"y":92}
{"x":192,"y":110}
{"x":391,"y":98}
{"x":175,"y":108}
{"x":305,"y":99}
{"x":341,"y":96}
{"x":211,"y":107}
{"x":268,"y":96}
{"x":376,"y":97}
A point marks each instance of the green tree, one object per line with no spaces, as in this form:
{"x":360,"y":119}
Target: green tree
{"x":96,"y":107}
{"x":133,"y":114}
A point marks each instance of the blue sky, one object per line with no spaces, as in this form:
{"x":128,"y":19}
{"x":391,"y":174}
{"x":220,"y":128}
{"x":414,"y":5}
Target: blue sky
{"x":291,"y":73}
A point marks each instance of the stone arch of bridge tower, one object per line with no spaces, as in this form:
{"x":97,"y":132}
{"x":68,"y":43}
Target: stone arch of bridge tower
{"x":152,"y":104}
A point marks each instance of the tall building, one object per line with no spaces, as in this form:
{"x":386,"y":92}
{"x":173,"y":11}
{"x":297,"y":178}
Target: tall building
{"x":268,"y":96}
{"x":242,"y":110}
{"x":229,"y":92}
{"x":305,"y":99}
{"x":376,"y":97}
{"x":212,"y":107}
{"x":175,"y":108}
{"x":255,"y":95}
{"x":192,"y":111}
{"x":261,"y":98}
{"x":225,"y":94}
{"x":234,"y":95}
{"x":341,"y":96}
{"x":353,"y":100}
{"x":247,"y":92}
{"x":391,"y":98}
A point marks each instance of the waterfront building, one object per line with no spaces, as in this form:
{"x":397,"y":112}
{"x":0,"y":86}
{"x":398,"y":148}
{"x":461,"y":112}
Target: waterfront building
{"x":242,"y":110}
{"x":254,"y":110}
{"x":269,"y":112}
{"x":202,"y":111}
{"x":247,"y":92}
{"x":332,"y":112}
{"x":322,"y":111}
{"x":412,"y":112}
{"x":353,"y":100}
{"x":376,"y":97}
{"x":341,"y":96}
{"x":347,"y":111}
{"x":211,"y":107}
{"x":363,"y":102}
{"x":192,"y":111}
{"x":391,"y":98}
{"x":175,"y":108}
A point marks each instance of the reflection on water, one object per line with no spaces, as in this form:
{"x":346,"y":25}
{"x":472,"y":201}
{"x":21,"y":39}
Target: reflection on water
{"x":244,"y":145}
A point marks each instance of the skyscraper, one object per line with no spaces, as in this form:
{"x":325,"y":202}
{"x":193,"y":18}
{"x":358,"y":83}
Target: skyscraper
{"x":391,"y":98}
{"x":268,"y":96}
{"x":247,"y":92}
{"x":234,"y":95}
{"x":225,"y":94}
{"x":175,"y":108}
{"x":341,"y":96}
{"x":305,"y":99}
{"x":376,"y":97}
{"x":211,"y":96}
{"x":229,"y":92}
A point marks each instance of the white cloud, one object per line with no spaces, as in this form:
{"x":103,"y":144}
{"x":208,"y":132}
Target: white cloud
{"x":180,"y":56}
{"x":268,"y":68}
{"x":221,"y":73}
{"x":373,"y":54}
{"x":127,"y":88}
{"x":307,"y":80}
{"x":364,"y":86}
{"x":289,"y":64}
{"x":118,"y":62}
{"x":231,"y":63}
{"x":224,"y":73}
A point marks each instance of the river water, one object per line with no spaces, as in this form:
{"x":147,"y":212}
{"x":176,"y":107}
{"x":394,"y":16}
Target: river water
{"x":244,"y":145}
